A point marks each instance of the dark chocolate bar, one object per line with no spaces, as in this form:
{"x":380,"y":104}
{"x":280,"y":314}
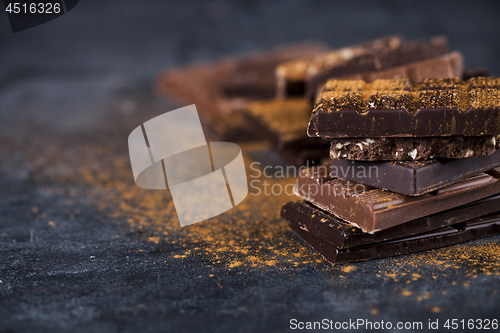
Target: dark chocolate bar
{"x":372,"y":209}
{"x":470,"y":230}
{"x":291,"y":76}
{"x":413,"y":149}
{"x":434,"y":107}
{"x":283,"y":123}
{"x":413,"y":177}
{"x":450,"y":65}
{"x":203,"y":84}
{"x":378,"y":59}
{"x":253,"y":78}
{"x":344,"y":235}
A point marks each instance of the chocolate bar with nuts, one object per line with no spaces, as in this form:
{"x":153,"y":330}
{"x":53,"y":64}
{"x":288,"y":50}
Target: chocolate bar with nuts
{"x":413,"y":149}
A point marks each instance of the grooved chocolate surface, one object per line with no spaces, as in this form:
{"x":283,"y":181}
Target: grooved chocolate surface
{"x":413,"y":177}
{"x":446,"y":236}
{"x":434,"y":107}
{"x":344,"y":235}
{"x":372,"y":209}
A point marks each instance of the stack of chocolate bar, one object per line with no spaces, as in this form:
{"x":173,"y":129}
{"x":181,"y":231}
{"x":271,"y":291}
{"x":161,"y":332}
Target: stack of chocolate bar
{"x":414,"y":166}
{"x":281,"y":121}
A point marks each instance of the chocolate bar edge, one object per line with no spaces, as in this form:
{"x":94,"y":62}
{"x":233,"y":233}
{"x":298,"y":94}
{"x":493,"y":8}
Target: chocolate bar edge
{"x":343,"y":235}
{"x":398,"y":247}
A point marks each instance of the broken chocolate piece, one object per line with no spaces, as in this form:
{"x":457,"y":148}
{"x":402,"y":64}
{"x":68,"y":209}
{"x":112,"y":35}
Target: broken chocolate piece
{"x":434,"y":107}
{"x":412,"y":177}
{"x":372,"y":209}
{"x":344,"y":235}
{"x":470,"y":230}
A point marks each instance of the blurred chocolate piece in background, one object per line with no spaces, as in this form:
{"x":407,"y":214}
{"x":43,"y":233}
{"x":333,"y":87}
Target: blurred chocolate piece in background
{"x":380,"y":59}
{"x":221,"y":88}
{"x":292,"y":75}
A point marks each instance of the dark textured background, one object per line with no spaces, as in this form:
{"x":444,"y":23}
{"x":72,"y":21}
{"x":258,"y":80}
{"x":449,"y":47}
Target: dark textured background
{"x":83,"y":250}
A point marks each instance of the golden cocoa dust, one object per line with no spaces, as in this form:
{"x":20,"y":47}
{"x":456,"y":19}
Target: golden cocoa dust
{"x":481,"y":257}
{"x":406,"y":293}
{"x":348,"y":268}
{"x":252,"y":234}
{"x":436,"y":309}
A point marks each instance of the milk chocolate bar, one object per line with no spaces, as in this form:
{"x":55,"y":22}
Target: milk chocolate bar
{"x":413,"y":178}
{"x":208,"y":85}
{"x":413,"y":149}
{"x":344,"y":235}
{"x":372,"y":209}
{"x":433,"y":107}
{"x":378,"y":59}
{"x":470,"y":230}
{"x":291,"y":76}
